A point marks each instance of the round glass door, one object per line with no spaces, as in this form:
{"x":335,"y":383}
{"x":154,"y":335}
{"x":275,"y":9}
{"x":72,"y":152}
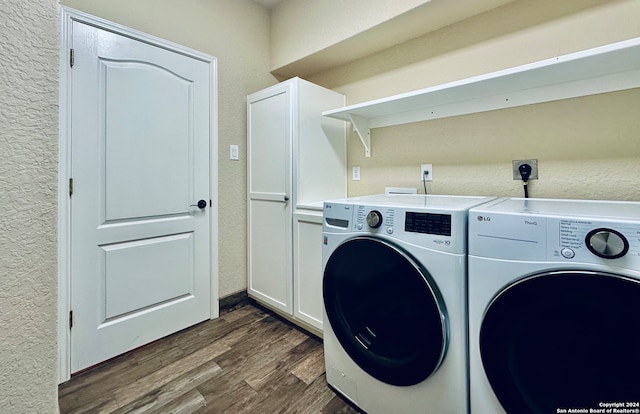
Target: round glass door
{"x":385,"y":310}
{"x":563,"y":340}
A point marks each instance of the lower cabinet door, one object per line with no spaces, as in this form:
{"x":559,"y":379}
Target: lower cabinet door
{"x":270,"y":270}
{"x":307,"y":275}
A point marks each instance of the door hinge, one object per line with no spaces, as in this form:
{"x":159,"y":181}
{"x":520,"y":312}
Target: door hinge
{"x":72,"y":57}
{"x":70,"y":319}
{"x":70,"y":187}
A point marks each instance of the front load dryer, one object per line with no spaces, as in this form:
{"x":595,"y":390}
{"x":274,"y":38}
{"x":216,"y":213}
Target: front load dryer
{"x":554,"y":306}
{"x":394,"y":299}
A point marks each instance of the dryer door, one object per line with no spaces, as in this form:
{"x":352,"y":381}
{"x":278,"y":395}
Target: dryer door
{"x":385,"y":310}
{"x":563,"y":340}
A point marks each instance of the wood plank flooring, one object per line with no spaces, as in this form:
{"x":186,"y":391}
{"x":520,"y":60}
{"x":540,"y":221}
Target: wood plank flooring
{"x":247,"y":361}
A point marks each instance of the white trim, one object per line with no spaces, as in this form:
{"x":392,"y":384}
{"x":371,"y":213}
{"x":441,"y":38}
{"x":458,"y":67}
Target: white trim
{"x":68,"y":16}
{"x":213,"y":176}
{"x":64,"y":163}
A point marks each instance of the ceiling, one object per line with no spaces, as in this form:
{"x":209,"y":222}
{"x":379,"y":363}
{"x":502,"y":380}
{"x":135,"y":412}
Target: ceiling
{"x":269,"y":4}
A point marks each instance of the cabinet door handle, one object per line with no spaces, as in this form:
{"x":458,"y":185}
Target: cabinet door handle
{"x":286,"y":198}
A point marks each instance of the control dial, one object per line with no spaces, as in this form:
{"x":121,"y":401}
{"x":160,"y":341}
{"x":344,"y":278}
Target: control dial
{"x":374,"y":219}
{"x":607,"y":243}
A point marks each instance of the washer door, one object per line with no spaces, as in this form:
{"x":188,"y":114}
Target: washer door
{"x":385,"y":310}
{"x":566,"y":339}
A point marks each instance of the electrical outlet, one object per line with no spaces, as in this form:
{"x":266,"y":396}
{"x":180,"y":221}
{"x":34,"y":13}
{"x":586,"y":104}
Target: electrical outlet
{"x":428,"y":168}
{"x":534,"y":169}
{"x":355,"y":173}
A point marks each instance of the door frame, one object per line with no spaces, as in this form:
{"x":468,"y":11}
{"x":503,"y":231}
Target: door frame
{"x":68,"y":16}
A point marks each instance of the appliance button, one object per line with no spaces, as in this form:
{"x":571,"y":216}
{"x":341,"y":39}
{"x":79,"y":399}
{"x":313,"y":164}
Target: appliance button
{"x":567,"y":253}
{"x":359,"y":226}
{"x":390,"y":230}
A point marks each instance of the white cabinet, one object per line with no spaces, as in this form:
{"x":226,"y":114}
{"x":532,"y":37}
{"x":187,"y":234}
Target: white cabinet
{"x":307,"y":269}
{"x":296,"y":159}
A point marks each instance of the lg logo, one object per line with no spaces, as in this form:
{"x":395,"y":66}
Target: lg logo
{"x":483,"y":218}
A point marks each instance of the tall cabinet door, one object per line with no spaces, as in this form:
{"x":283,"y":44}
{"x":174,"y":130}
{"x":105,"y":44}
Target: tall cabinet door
{"x":269,"y":190}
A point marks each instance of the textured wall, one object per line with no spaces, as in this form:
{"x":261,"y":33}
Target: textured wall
{"x":586,"y":147}
{"x":28,"y":182}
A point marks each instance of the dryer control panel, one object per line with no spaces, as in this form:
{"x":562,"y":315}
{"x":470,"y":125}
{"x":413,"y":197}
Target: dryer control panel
{"x":605,"y":240}
{"x":534,"y":236}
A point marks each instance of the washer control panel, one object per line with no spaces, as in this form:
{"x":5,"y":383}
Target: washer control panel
{"x":429,"y":223}
{"x":439,"y":231}
{"x":432,"y":222}
{"x":375,"y":218}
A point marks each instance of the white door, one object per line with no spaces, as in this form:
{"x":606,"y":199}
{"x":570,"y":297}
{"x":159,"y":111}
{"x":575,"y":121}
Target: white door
{"x":140,"y":245}
{"x":269,"y":207}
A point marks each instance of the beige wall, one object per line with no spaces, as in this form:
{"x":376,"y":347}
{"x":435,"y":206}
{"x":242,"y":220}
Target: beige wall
{"x":586,"y":148}
{"x":310,"y":36}
{"x":303,"y":27}
{"x":594,"y":137}
{"x":28,"y":200}
{"x":236,"y":32}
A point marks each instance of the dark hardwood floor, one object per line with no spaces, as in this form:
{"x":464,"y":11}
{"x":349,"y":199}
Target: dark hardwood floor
{"x":246,"y":361}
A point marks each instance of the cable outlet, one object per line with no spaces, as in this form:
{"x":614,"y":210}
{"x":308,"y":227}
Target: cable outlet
{"x":516,"y":172}
{"x":428,"y":170}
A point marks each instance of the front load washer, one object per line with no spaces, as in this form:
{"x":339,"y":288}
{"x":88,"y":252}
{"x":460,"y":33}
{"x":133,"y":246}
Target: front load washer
{"x":394,"y":301}
{"x":554,"y":306}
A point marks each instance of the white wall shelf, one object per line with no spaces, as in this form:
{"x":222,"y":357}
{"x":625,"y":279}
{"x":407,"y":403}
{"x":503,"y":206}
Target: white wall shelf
{"x":609,"y":68}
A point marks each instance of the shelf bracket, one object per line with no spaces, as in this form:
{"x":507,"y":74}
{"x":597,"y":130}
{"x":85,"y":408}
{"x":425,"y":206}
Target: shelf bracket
{"x":361,"y":127}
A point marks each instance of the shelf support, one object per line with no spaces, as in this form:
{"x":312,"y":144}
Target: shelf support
{"x":361,"y":127}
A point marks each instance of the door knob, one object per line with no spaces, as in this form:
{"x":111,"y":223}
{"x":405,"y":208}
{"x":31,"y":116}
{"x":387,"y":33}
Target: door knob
{"x":201,"y":204}
{"x":286,"y":198}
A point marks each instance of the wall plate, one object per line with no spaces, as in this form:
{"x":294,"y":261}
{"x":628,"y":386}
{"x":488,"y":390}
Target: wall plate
{"x":429,"y":170}
{"x":534,"y":169}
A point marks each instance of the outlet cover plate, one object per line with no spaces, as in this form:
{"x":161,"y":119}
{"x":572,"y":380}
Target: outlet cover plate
{"x":355,"y":173}
{"x":516,"y":172}
{"x":234,"y":153}
{"x":429,"y":169}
